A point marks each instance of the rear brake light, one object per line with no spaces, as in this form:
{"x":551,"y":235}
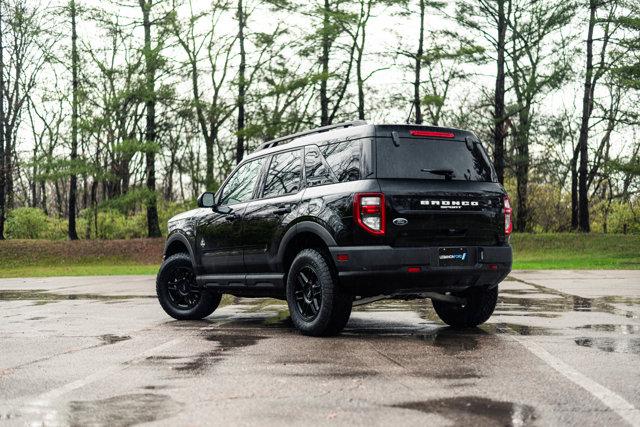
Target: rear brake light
{"x":508,"y":216}
{"x":430,"y":133}
{"x":369,"y":212}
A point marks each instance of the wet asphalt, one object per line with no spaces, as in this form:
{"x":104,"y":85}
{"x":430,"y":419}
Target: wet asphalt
{"x":563,"y":348}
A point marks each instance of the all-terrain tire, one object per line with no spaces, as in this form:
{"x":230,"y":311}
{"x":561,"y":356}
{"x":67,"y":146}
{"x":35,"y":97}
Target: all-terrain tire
{"x":329,"y":315}
{"x":479,"y":307}
{"x":176,"y":283}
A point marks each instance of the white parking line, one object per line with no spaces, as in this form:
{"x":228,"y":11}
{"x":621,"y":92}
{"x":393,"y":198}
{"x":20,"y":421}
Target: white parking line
{"x":104,"y":373}
{"x":617,"y":403}
{"x":45,"y":398}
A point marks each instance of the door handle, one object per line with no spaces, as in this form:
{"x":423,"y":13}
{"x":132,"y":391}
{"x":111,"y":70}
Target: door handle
{"x":283,"y":209}
{"x":231,"y":217}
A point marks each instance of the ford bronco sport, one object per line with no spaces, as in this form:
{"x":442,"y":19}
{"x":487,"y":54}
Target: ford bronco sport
{"x":344,"y":215}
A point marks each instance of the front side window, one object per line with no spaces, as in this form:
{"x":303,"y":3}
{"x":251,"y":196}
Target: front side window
{"x":285,"y":174}
{"x":240,"y":186}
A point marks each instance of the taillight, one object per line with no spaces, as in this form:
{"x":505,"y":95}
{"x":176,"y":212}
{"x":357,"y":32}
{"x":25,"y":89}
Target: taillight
{"x":508,"y":216}
{"x":369,"y":211}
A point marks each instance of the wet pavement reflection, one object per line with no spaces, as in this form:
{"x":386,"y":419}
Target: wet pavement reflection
{"x":78,"y":359}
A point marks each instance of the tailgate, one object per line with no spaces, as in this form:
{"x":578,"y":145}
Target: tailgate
{"x":443,"y":213}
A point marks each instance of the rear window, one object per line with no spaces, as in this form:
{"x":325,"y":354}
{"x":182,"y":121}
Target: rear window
{"x":424,"y":158}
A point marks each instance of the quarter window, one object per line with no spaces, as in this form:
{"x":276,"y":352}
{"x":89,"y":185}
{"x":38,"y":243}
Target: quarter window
{"x":240,"y":186}
{"x":285,"y":174}
{"x":316,"y":169}
{"x":344,"y":159}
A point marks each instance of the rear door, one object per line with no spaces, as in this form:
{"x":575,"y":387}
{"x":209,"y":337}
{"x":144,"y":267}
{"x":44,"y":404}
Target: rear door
{"x":267,"y":218}
{"x":439,"y":191}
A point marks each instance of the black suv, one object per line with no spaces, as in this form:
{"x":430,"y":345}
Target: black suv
{"x":344,"y":215}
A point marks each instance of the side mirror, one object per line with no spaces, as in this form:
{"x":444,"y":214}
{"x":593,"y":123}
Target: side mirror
{"x":207,"y":200}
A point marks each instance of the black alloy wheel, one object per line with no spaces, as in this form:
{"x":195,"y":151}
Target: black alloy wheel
{"x":183,"y":291}
{"x":178,"y":292}
{"x":308,"y":293}
{"x":317,"y":304}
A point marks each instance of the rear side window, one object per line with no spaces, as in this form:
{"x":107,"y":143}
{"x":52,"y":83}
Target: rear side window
{"x":344,"y":159}
{"x":426,"y":158}
{"x":285,"y":174}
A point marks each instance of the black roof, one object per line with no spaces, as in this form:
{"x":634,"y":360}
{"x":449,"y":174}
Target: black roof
{"x":352,"y":130}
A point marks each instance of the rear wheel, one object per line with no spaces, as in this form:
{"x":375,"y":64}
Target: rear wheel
{"x":480,"y":303}
{"x":317,"y":305}
{"x":179,"y":294}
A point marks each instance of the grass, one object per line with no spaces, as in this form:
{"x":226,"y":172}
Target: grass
{"x":37,"y":258}
{"x":111,"y":269}
{"x":576,"y":251}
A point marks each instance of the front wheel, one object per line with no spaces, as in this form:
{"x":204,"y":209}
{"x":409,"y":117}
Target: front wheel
{"x":179,"y":294}
{"x":479,"y":307}
{"x":317,"y":305}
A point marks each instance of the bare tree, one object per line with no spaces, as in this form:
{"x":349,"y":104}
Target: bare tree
{"x":151,"y":60}
{"x":2,"y":129}
{"x":73,"y":182}
{"x":593,"y":73}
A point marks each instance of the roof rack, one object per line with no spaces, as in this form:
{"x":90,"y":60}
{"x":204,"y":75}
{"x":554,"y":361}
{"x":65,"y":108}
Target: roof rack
{"x":279,"y":141}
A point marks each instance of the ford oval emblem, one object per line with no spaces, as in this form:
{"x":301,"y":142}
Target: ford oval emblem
{"x":400,"y":221}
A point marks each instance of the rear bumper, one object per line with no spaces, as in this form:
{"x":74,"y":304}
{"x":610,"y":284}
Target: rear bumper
{"x":374,"y":270}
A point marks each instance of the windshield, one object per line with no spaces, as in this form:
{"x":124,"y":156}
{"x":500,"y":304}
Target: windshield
{"x":424,"y":158}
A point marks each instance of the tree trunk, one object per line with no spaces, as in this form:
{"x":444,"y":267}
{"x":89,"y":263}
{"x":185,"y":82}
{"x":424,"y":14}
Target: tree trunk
{"x":498,"y":114}
{"x":419,"y":54}
{"x":2,"y":128}
{"x":583,"y":140}
{"x":34,"y":172}
{"x":574,"y":188}
{"x":153,"y":229}
{"x":73,"y":182}
{"x":241,"y":84}
{"x":522,"y":172}
{"x":324,"y":62}
{"x":364,"y":17}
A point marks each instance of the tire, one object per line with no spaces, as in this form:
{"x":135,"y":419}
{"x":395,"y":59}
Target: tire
{"x":480,"y":305}
{"x":317,"y":305}
{"x":178,"y":293}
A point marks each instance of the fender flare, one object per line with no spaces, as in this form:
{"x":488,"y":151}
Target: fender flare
{"x":179,"y":237}
{"x":303,"y":227}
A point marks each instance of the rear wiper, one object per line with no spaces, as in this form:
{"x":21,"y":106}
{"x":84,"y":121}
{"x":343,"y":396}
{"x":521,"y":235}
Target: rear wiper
{"x":448,"y":173}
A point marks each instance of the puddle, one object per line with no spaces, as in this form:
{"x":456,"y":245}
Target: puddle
{"x":452,"y":341}
{"x":544,"y":300}
{"x":155,"y":387}
{"x":611,"y":345}
{"x":202,"y":361}
{"x":122,"y":410}
{"x":41,"y":296}
{"x":471,"y":410}
{"x":508,"y":328}
{"x":622,"y":329}
{"x":112,"y":339}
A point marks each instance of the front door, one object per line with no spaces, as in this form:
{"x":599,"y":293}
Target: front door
{"x":219,"y":235}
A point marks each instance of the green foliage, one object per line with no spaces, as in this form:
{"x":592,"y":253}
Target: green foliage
{"x":616,"y":217}
{"x":135,"y":197}
{"x":33,"y":223}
